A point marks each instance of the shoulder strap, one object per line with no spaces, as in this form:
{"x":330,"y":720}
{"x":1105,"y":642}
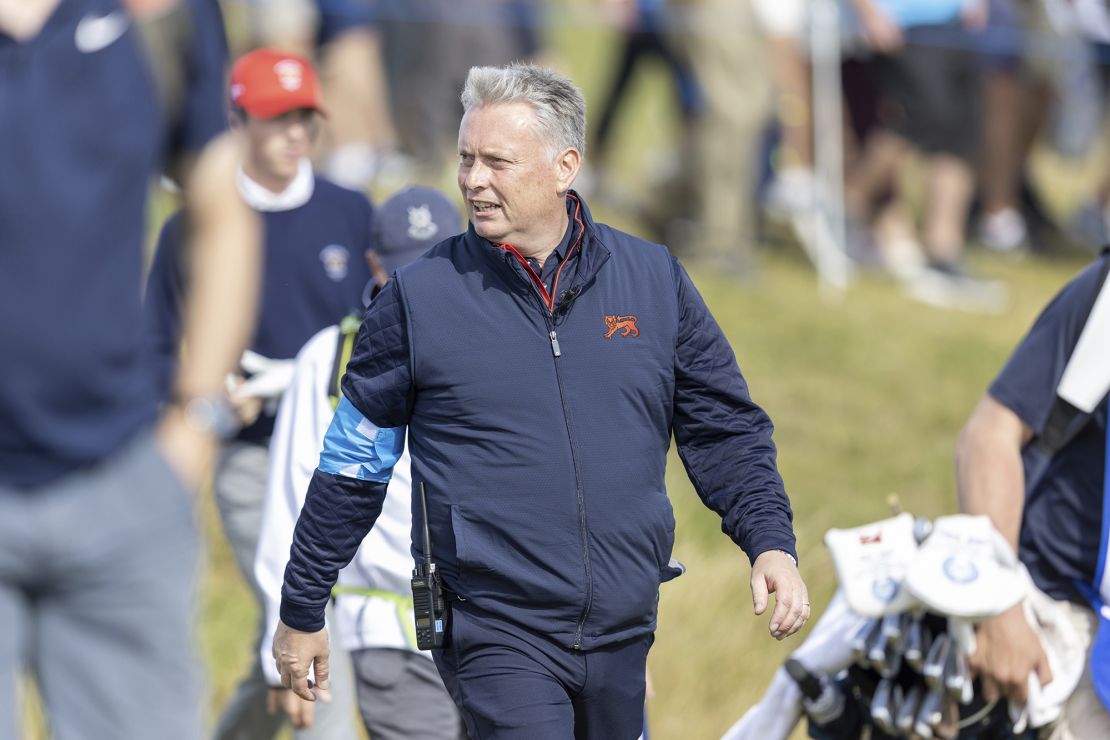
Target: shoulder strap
{"x":1066,"y":420}
{"x":348,"y":330}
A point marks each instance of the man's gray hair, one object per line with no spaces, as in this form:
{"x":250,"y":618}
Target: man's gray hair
{"x":558,"y":103}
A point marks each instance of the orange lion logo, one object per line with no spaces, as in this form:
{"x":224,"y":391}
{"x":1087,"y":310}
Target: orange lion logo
{"x":626,"y":325}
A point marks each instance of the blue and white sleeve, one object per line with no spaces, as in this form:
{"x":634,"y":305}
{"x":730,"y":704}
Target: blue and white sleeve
{"x":355,"y":447}
{"x":345,"y":497}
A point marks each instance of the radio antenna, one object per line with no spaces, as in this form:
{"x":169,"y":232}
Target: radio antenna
{"x":427,"y":534}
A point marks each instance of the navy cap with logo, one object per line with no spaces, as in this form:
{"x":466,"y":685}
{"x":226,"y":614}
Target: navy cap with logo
{"x":410,"y":223}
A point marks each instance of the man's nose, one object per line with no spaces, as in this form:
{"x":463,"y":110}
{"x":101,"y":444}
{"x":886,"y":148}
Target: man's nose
{"x":477,"y":176}
{"x":298,"y":130}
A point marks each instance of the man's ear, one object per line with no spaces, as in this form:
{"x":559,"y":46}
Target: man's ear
{"x":567,"y":165}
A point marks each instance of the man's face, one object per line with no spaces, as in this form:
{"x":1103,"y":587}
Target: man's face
{"x":277,"y":145}
{"x":512,"y":181}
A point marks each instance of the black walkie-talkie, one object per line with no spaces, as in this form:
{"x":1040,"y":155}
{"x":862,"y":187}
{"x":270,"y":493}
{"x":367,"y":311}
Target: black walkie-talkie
{"x":428,"y":605}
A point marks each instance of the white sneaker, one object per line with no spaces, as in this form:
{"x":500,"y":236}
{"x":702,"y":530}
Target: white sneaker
{"x":792,"y":192}
{"x":902,"y":258}
{"x":948,"y":286}
{"x":1003,"y":231}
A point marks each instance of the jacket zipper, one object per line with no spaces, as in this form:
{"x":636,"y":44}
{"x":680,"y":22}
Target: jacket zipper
{"x":548,"y":310}
{"x":583,"y":527}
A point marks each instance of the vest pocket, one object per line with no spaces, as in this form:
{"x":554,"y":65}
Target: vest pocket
{"x":530,"y":564}
{"x":631,"y":556}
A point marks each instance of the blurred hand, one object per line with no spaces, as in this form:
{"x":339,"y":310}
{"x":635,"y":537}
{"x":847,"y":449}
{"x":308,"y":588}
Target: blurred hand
{"x":623,"y":14}
{"x":775,"y":572}
{"x":188,"y":451}
{"x":294,"y":652}
{"x":23,"y":19}
{"x":975,"y":15}
{"x":300,"y":712}
{"x":247,"y":408}
{"x":1007,"y":650}
{"x":881,"y":32}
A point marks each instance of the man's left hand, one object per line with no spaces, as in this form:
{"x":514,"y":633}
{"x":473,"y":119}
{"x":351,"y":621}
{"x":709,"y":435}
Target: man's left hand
{"x":294,"y":653}
{"x":775,"y":572}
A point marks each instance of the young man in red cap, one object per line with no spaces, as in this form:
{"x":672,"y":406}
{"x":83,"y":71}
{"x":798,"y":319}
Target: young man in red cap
{"x":315,"y":270}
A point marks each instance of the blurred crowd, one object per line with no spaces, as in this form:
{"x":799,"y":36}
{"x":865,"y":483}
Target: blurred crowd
{"x":942,"y":103}
{"x":393,"y":106}
{"x":965,"y":90}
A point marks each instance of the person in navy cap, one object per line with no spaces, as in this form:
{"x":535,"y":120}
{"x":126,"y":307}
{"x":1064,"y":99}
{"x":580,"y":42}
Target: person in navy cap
{"x":400,"y":695}
{"x":317,"y":236}
{"x":98,"y":546}
{"x":410,"y":223}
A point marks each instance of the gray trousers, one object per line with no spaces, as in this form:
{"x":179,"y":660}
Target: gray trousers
{"x":401,"y":697}
{"x":240,"y":489}
{"x":97,"y":591}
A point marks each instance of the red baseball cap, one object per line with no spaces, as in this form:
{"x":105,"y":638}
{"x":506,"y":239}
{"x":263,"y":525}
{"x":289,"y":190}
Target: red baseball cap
{"x":267,"y":82}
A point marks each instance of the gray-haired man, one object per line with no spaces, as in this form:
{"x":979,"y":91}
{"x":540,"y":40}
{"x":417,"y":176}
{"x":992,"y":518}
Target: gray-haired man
{"x":540,"y":363}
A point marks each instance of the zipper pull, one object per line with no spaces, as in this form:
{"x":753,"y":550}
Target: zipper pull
{"x":555,"y":345}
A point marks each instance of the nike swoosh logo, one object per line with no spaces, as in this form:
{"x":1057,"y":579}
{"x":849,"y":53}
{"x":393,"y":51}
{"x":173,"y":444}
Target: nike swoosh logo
{"x":95,"y":33}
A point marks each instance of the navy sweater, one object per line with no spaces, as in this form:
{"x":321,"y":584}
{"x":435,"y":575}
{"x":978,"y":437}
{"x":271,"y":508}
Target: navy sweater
{"x":314,"y":273}
{"x":540,"y":427}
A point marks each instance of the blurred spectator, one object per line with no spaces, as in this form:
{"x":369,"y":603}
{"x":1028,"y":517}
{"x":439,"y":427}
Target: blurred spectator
{"x":725,"y":49}
{"x":363,"y":143}
{"x":927,"y":81}
{"x":359,"y":145}
{"x":400,"y":694}
{"x":1025,"y":62}
{"x":429,"y":46}
{"x":1043,"y":78}
{"x":644,"y":35}
{"x":785,"y":24}
{"x":1086,"y":23}
{"x":98,"y":548}
{"x":314,"y":274}
{"x":289,"y":25}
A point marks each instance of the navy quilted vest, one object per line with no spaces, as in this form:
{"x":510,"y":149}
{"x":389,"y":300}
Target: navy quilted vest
{"x":541,"y":436}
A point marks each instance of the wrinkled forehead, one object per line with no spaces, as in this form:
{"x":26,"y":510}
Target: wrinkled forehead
{"x":504,"y":125}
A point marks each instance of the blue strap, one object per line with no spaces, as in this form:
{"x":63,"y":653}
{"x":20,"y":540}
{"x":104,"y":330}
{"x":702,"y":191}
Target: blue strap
{"x":1100,"y":571}
{"x":1099,"y":594}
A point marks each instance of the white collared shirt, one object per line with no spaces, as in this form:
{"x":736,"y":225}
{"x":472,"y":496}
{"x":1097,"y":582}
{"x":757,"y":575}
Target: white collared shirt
{"x":295,"y":195}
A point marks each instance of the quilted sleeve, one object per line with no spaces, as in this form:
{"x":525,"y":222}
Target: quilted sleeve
{"x":378,"y":380}
{"x":345,"y":497}
{"x":723,"y":437}
{"x":338,"y":512}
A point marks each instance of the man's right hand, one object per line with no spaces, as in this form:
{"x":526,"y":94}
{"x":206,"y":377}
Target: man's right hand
{"x":295,"y":652}
{"x":188,"y":451}
{"x":879,"y":29}
{"x":301,"y":713}
{"x":1007,"y":650}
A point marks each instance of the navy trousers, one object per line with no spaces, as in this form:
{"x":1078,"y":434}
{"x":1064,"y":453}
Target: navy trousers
{"x":511,"y":684}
